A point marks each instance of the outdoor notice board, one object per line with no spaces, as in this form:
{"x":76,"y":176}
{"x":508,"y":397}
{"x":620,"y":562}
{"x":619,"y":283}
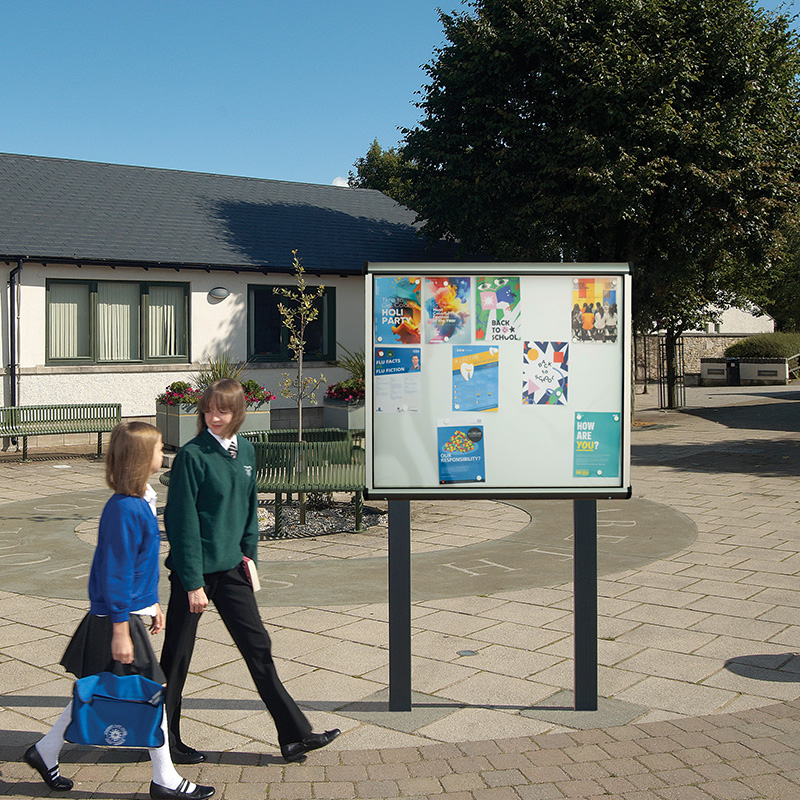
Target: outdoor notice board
{"x":502,"y":379}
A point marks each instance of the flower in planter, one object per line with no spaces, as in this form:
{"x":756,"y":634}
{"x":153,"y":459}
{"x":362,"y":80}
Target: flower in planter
{"x":350,"y":390}
{"x":347,"y":391}
{"x":253,"y":393}
{"x":181,"y":393}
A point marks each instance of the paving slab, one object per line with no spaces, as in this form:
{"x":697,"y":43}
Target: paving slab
{"x":699,"y":675}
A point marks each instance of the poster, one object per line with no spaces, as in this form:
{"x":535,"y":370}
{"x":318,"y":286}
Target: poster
{"x":545,"y":373}
{"x":398,"y":310}
{"x":595,"y":313}
{"x":475,"y":378}
{"x":398,"y":379}
{"x":461,"y":452}
{"x":497,"y":309}
{"x":597,"y":445}
{"x":447,"y":310}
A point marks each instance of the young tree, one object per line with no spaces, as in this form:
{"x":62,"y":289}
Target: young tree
{"x":300,"y":310}
{"x":664,"y":133}
{"x":295,"y":316}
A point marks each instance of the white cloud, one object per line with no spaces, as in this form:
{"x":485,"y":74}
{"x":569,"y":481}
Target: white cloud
{"x":339,"y":181}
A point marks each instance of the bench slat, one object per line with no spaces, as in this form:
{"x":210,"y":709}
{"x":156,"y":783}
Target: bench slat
{"x":44,"y":420}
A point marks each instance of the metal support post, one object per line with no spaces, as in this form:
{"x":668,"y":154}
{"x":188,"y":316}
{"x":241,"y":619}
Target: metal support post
{"x":585,"y":590}
{"x":399,"y":605}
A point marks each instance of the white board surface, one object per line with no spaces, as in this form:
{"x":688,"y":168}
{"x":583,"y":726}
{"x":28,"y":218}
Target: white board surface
{"x":485,"y":380}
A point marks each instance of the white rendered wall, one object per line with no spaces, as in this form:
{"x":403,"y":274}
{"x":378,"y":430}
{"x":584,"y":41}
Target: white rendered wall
{"x":215,"y":326}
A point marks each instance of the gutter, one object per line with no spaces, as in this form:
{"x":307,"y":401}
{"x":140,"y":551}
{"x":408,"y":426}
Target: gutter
{"x":13,"y":311}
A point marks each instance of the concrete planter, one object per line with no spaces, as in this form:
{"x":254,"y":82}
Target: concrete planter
{"x":178,"y":424}
{"x":751,"y":371}
{"x":338,"y":414}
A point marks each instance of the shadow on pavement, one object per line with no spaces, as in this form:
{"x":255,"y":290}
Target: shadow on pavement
{"x":765,"y":457}
{"x":783,"y":668}
{"x":781,"y":416}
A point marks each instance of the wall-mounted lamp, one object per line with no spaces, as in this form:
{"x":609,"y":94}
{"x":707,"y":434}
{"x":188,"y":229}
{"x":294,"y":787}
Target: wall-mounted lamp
{"x":218,"y":293}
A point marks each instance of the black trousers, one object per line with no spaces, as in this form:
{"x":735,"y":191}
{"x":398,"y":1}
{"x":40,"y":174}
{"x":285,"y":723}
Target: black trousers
{"x":233,"y":597}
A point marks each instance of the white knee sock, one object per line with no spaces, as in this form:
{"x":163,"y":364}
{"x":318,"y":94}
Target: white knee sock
{"x":164,"y":772}
{"x":50,"y":745}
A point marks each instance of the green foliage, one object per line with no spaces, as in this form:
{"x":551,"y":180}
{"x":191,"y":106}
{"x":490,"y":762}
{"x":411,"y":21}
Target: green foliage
{"x":384,"y":170}
{"x":221,"y":365}
{"x":353,"y":363}
{"x":664,"y":133}
{"x":782,"y":297}
{"x":766,"y":345}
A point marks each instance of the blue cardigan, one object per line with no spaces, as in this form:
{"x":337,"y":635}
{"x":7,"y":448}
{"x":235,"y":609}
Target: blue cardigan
{"x":124,"y":575}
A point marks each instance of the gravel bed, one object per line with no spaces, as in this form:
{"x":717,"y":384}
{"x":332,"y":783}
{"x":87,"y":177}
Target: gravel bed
{"x":338,"y":518}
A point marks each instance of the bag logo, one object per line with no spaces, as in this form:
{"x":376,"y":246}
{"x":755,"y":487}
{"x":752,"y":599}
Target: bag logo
{"x":115,"y":735}
{"x":249,"y":470}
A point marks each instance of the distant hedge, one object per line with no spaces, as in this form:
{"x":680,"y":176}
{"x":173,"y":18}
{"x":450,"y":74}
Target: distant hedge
{"x":766,"y":345}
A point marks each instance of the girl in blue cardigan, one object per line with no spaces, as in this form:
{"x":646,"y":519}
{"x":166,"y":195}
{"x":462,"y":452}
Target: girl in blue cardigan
{"x":123,"y":588}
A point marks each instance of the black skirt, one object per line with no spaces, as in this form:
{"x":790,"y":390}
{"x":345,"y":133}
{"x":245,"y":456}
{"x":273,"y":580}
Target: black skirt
{"x":89,"y":652}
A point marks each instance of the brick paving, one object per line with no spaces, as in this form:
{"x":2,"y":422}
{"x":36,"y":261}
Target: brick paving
{"x":699,"y":646}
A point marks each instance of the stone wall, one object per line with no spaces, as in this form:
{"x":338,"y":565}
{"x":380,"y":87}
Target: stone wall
{"x":695,"y":347}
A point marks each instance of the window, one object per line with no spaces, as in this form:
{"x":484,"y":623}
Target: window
{"x":268,"y":339}
{"x":116,"y":321}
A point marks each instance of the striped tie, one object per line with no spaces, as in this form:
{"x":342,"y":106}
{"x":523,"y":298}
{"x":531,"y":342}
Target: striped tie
{"x":232,"y":449}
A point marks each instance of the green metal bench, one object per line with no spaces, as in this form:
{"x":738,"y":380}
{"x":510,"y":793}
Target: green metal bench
{"x":334,"y":462}
{"x":310,"y":466}
{"x":46,"y":420}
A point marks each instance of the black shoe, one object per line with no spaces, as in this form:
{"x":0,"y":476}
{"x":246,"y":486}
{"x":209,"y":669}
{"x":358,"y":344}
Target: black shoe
{"x":58,"y":783}
{"x":158,"y":792}
{"x":187,"y":755}
{"x":296,"y":751}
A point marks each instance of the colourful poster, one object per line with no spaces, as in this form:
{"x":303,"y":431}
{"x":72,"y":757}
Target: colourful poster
{"x":397,"y":310}
{"x":398,"y":379}
{"x":461,"y":452}
{"x":595,"y":315}
{"x":497,"y":313}
{"x":447,"y":316}
{"x":475,"y":378}
{"x":597,"y":445}
{"x":545,"y":367}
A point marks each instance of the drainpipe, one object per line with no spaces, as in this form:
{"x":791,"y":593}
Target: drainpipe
{"x":13,"y":282}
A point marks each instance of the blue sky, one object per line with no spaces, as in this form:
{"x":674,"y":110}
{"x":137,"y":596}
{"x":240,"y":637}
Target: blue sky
{"x":264,"y":88}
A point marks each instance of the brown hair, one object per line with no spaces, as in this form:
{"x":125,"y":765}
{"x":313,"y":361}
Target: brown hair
{"x":130,"y":455}
{"x":226,"y":394}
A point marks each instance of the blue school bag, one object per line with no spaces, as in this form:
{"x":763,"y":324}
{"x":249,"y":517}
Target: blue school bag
{"x":116,"y":711}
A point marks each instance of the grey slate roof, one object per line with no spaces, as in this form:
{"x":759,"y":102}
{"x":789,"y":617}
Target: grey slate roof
{"x":55,"y":209}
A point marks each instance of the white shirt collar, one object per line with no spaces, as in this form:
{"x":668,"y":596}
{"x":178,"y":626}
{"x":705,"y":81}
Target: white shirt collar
{"x":226,"y":443}
{"x":150,"y":497}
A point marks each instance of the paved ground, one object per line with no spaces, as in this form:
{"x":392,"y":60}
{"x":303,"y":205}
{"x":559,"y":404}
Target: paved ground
{"x":699,"y":630}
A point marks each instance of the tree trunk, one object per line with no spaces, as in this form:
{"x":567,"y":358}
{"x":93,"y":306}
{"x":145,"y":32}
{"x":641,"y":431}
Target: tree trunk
{"x":671,"y":353}
{"x":301,"y":497}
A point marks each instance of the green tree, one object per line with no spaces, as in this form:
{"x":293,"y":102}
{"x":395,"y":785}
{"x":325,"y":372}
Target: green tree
{"x":659,"y":132}
{"x":782,"y":300}
{"x":384,"y":170}
{"x":296,"y":314}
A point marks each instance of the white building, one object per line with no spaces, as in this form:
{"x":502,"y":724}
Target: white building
{"x":123,"y":279}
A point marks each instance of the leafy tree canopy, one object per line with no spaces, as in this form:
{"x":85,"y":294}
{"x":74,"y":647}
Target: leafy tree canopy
{"x":384,"y":170}
{"x":660,"y":132}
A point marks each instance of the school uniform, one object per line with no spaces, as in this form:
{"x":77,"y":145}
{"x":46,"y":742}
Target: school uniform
{"x":123,"y":587}
{"x":212,"y":522}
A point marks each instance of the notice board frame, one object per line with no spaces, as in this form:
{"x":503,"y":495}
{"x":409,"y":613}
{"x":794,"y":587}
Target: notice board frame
{"x":545,"y":291}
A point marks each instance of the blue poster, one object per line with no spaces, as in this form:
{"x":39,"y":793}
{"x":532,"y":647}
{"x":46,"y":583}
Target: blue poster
{"x":475,"y":378}
{"x":461,"y":454}
{"x":397,"y":310}
{"x":398,"y":381}
{"x":597,"y":444}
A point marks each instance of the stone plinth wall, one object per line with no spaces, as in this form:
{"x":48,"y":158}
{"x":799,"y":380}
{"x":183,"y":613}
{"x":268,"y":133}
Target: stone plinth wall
{"x":695,"y":347}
